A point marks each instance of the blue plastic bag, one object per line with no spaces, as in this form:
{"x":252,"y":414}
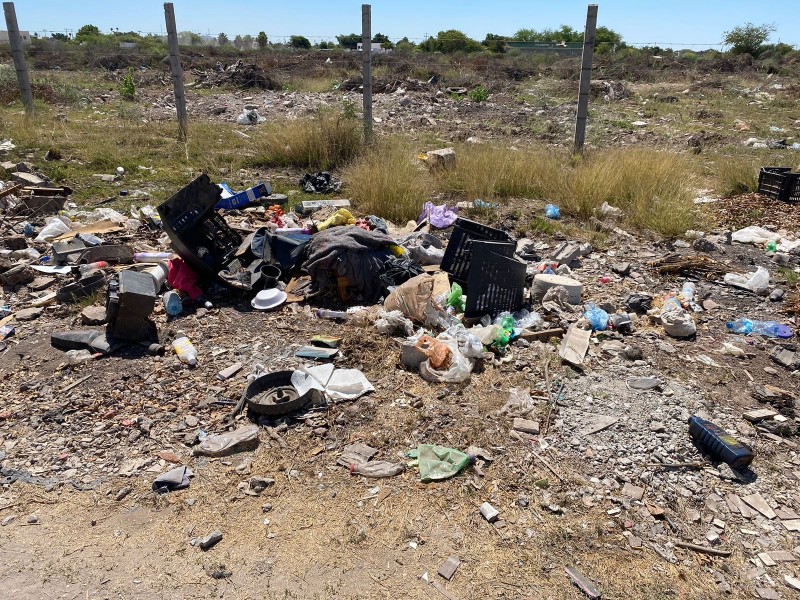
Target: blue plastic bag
{"x":597,"y":317}
{"x":551,"y":211}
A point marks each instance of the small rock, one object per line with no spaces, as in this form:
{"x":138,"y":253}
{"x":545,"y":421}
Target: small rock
{"x":123,"y":493}
{"x":191,"y":421}
{"x":777,"y":295}
{"x":8,"y":520}
{"x":259,"y":484}
{"x":704,"y":245}
{"x":713,"y":538}
{"x":218,"y":571}
{"x":28,"y":314}
{"x":657,"y":427}
{"x":489,"y":512}
{"x":266,"y":508}
{"x":633,"y":491}
{"x":210,"y":540}
{"x":622,"y":269}
{"x":32,"y":519}
{"x":93,"y":315}
{"x":709,"y":305}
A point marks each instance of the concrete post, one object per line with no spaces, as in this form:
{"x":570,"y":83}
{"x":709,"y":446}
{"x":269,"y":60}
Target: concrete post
{"x":586,"y":79}
{"x":19,"y":56}
{"x":177,"y":71}
{"x":366,"y":57}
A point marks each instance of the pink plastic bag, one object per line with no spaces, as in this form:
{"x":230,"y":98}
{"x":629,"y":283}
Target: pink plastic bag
{"x":182,"y":278}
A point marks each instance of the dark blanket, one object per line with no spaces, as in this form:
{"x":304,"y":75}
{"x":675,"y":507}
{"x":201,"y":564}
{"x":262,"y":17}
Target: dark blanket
{"x":350,"y":252}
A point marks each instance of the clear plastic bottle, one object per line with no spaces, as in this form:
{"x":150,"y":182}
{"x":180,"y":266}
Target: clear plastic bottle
{"x":687,"y":293}
{"x":173,"y":304}
{"x":324,"y":313}
{"x":184,"y":348}
{"x":772,"y":329}
{"x":152,"y":256}
{"x":90,"y":268}
{"x":740,"y":325}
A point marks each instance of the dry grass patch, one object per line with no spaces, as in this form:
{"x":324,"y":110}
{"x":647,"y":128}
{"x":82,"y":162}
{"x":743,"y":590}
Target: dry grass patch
{"x":328,"y":140}
{"x":389,"y":181}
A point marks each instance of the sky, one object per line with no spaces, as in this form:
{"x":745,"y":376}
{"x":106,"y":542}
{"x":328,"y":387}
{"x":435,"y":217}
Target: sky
{"x":676,"y":24}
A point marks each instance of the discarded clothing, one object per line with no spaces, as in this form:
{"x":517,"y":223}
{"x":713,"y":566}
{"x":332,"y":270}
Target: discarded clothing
{"x":176,"y":479}
{"x":319,"y":183}
{"x":181,"y":277}
{"x":398,"y":270}
{"x":340,"y":217}
{"x":352,"y":254}
{"x":440,"y":216}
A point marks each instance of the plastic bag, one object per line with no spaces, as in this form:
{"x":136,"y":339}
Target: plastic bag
{"x":528,"y":320}
{"x":755,"y":281}
{"x":551,"y":211}
{"x":468,"y":344}
{"x":427,"y":255}
{"x":597,"y":317}
{"x":438,"y":216}
{"x":457,"y":371}
{"x":250,"y":117}
{"x":340,"y":217}
{"x":455,"y":299}
{"x":755,"y":235}
{"x":55,"y":227}
{"x":391,"y":322}
{"x":438,"y":462}
{"x":676,"y":321}
{"x":519,"y":403}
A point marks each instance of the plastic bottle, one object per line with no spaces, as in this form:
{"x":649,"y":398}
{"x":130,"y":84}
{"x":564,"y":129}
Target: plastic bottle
{"x":184,"y":349}
{"x":28,"y":229}
{"x":747,"y":326}
{"x":152,"y":256}
{"x":173,"y":304}
{"x":772,"y":246}
{"x":687,"y":293}
{"x":324,"y":313}
{"x":90,"y":268}
{"x":718,"y":443}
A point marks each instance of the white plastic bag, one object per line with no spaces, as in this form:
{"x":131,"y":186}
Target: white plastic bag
{"x":392,"y":322}
{"x":459,"y":370}
{"x":249,"y":117}
{"x":55,"y":227}
{"x":519,"y":404}
{"x":755,"y":235}
{"x":676,"y":321}
{"x":756,"y":281}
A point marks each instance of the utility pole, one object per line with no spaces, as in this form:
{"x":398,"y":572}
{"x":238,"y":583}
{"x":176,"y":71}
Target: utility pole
{"x":366,"y":57}
{"x":19,"y":57}
{"x":177,"y":72}
{"x":586,"y":79}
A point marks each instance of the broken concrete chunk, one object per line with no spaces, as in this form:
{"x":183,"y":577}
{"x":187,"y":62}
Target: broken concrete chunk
{"x":441,"y":159}
{"x":759,"y":414}
{"x":757,"y":502}
{"x":28,"y":179}
{"x":785,"y":358}
{"x":19,"y":275}
{"x":448,"y":569}
{"x":28,"y":314}
{"x":489,"y":512}
{"x":229,"y":372}
{"x":210,"y":540}
{"x":633,"y":491}
{"x":544,"y":281}
{"x":93,"y":315}
{"x":526,"y":426}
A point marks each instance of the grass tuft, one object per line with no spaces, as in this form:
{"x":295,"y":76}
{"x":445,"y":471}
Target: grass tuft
{"x":328,"y":140}
{"x":388,"y":181}
{"x":737,"y":175}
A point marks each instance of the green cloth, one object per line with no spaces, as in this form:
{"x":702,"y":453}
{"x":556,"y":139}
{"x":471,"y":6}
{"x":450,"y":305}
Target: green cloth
{"x":437,"y":462}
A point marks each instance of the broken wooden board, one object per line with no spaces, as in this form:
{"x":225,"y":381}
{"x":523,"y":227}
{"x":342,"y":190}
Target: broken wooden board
{"x":448,"y":568}
{"x":758,"y":502}
{"x":541,"y":336}
{"x":792,"y":524}
{"x":575,"y":345}
{"x":96,"y":228}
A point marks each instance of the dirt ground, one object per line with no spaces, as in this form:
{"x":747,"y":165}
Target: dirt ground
{"x":80,"y":445}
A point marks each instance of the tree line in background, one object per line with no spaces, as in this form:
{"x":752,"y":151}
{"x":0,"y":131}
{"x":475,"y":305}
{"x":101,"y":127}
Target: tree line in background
{"x":745,"y":39}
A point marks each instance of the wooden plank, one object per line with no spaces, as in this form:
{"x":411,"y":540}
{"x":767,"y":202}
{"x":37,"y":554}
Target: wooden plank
{"x":703,"y":549}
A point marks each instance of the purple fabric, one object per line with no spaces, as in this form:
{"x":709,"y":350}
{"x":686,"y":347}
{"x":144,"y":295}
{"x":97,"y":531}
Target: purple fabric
{"x":439,"y":216}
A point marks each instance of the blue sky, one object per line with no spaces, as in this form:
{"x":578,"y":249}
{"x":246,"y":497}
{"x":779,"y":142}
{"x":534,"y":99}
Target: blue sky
{"x":668,"y":23}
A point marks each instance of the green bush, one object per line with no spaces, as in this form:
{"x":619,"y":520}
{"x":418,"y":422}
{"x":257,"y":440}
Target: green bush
{"x":479,"y":94}
{"x":127,"y":88}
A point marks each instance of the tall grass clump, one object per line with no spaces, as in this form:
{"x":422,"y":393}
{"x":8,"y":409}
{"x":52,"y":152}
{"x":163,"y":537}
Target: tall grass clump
{"x":737,"y":175}
{"x":494,"y":173}
{"x":327,"y":140}
{"x":388,"y":181}
{"x":652,"y":188}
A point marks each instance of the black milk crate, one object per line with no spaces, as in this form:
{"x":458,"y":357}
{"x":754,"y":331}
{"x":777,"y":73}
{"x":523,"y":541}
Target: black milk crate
{"x":496,"y":281}
{"x":458,"y":254}
{"x":779,"y":183}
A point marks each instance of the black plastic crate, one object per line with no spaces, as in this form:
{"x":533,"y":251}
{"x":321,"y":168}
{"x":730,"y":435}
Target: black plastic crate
{"x":779,"y":183}
{"x":458,"y":254}
{"x":496,"y":282}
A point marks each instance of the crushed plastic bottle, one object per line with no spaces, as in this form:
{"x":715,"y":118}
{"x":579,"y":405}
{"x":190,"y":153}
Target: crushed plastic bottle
{"x":324,"y":313}
{"x":184,"y":348}
{"x":173,"y":305}
{"x":90,"y":268}
{"x":745,"y":326}
{"x":688,"y":291}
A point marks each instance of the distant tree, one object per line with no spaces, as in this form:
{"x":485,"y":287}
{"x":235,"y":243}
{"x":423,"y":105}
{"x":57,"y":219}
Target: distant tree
{"x":262,"y":40}
{"x":238,"y":43}
{"x":324,"y":45}
{"x":61,"y":37}
{"x":747,"y":38}
{"x":430,"y":45}
{"x":298,"y":41}
{"x":195,"y":39}
{"x":405,"y":45}
{"x":222,"y":40}
{"x":454,"y":40}
{"x":89,"y":34}
{"x":383,"y":40}
{"x":349,"y":41}
{"x":495,"y":43}
{"x":526,"y":35}
{"x":247,"y":42}
{"x":606,"y":40}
